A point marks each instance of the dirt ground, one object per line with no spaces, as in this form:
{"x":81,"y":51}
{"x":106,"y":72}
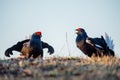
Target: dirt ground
{"x":61,"y":68}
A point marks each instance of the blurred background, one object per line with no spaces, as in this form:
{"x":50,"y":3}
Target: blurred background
{"x":57,"y":20}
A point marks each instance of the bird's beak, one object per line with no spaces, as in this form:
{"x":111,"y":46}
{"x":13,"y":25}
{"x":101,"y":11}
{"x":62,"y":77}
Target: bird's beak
{"x":76,"y":31}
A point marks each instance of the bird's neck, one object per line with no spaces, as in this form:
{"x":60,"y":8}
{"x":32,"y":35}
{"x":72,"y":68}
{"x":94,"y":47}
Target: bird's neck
{"x":80,"y":38}
{"x":35,"y":37}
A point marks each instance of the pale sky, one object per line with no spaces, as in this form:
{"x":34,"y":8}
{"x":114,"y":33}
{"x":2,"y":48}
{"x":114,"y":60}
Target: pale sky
{"x":55,"y":18}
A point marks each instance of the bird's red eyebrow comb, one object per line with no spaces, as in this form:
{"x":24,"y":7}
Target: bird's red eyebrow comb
{"x":78,"y":29}
{"x":38,"y":33}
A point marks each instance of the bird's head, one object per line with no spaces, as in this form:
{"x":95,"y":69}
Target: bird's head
{"x":80,"y":31}
{"x":37,"y":34}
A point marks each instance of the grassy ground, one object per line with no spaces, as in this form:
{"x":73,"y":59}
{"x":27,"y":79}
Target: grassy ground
{"x":61,"y":68}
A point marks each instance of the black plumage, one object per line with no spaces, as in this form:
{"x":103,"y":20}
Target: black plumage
{"x":92,"y":46}
{"x":35,"y":47}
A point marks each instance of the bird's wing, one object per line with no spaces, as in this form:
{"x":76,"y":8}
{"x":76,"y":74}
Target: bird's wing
{"x":50,"y":48}
{"x":97,"y":42}
{"x":16,"y":47}
{"x":19,"y":45}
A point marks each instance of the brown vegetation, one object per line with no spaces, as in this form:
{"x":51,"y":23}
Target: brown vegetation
{"x":61,"y":68}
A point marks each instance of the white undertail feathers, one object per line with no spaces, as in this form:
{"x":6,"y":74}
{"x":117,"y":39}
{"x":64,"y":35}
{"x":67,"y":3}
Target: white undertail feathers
{"x":109,"y":41}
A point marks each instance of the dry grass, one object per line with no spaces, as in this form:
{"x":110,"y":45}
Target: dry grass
{"x":61,"y":68}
